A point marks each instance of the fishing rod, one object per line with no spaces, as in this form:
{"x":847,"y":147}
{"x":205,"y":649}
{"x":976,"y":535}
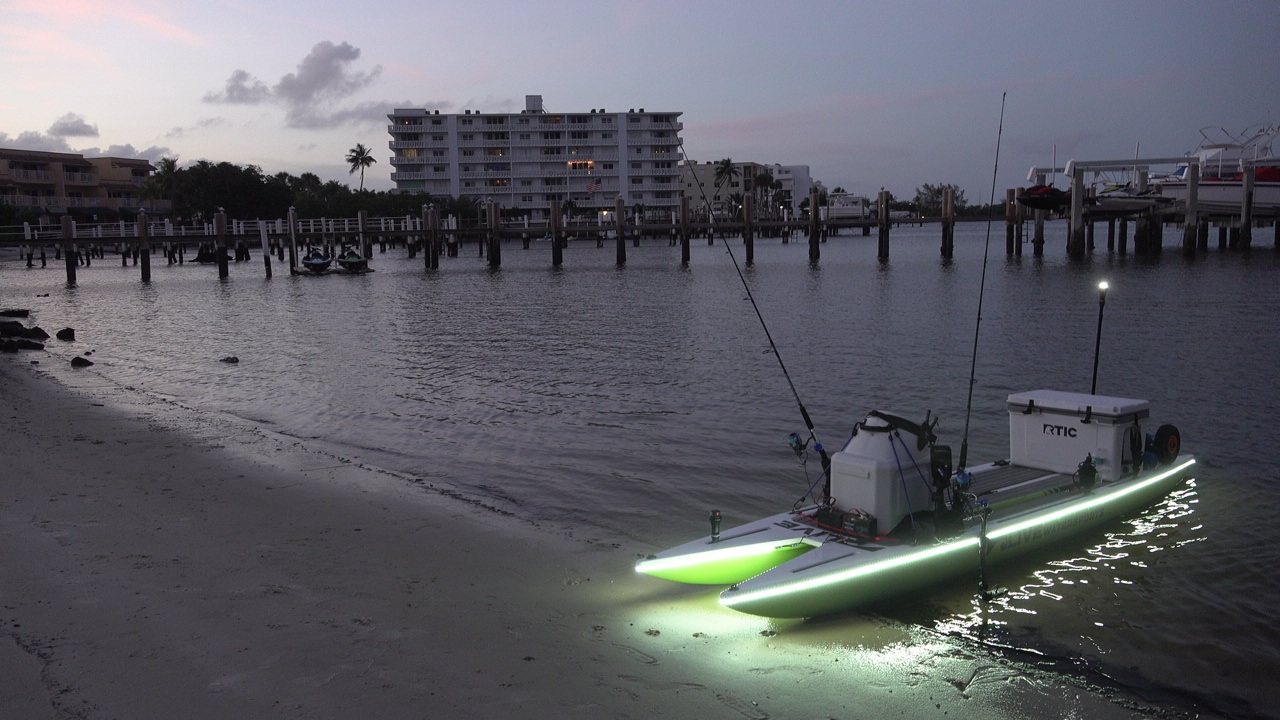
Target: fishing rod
{"x":794,"y":441}
{"x":982,"y":286}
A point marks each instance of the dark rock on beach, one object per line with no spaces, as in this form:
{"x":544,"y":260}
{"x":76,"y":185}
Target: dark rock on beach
{"x":78,"y":361}
{"x":15,"y":313}
{"x":67,"y":334}
{"x":230,"y":359}
{"x":16,"y":344}
{"x":35,"y":332}
{"x":11,"y":328}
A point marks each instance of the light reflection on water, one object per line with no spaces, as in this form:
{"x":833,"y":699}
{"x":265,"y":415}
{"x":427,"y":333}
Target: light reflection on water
{"x":626,"y":403}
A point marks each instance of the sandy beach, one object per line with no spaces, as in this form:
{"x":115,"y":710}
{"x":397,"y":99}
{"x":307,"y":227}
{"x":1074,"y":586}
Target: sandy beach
{"x":157,"y":563}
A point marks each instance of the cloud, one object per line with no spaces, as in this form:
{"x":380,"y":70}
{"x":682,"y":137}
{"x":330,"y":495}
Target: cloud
{"x":201,"y":124}
{"x":35,"y":140}
{"x":128,"y":151}
{"x":241,"y":89}
{"x":72,"y":125}
{"x":313,"y":95}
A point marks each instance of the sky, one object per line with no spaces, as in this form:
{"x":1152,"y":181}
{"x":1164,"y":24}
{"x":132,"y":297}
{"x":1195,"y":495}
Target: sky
{"x":869,"y":95}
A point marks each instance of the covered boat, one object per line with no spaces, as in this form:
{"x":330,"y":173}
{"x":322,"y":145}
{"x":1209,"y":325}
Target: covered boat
{"x":316,"y":261}
{"x":352,"y":261}
{"x":1045,"y":197}
{"x":895,"y":518}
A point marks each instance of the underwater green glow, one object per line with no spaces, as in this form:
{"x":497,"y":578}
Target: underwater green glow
{"x":724,"y":566}
{"x":962,"y":545}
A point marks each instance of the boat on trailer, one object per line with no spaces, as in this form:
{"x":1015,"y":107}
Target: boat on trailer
{"x":895,"y":518}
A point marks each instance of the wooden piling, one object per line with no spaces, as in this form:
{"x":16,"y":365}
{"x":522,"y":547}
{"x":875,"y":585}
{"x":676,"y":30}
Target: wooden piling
{"x":495,"y":240}
{"x":1111,"y":235}
{"x":293,"y":241}
{"x":748,"y":235}
{"x":882,"y":206}
{"x":1246,"y":208}
{"x":1124,"y":236}
{"x":1191,"y":220}
{"x":220,"y":243}
{"x":684,"y":230}
{"x":1010,"y":215}
{"x":948,"y":221}
{"x":1075,"y":245}
{"x":144,"y":243}
{"x":266,"y":248}
{"x":69,"y":242}
{"x":553,"y":222}
{"x":620,"y":226}
{"x":815,"y":228}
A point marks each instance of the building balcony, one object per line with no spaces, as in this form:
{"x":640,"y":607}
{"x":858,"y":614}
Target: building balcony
{"x":41,"y":176}
{"x":398,"y":176}
{"x":76,"y":178}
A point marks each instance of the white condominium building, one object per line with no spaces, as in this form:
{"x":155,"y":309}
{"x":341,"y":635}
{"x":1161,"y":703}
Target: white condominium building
{"x":525,"y":160}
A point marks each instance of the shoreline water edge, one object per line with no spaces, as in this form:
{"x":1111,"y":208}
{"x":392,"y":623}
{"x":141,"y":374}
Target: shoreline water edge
{"x":223,"y":570}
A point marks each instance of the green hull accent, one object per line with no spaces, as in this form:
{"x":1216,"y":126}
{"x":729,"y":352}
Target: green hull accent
{"x":715,"y":567}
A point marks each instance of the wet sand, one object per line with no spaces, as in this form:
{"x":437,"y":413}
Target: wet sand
{"x":157,"y":563}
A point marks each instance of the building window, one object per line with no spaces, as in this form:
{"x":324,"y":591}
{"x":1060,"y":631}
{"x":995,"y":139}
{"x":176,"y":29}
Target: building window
{"x":437,"y":121}
{"x":606,"y":136}
{"x":437,"y":153}
{"x":526,"y":183}
{"x":522,"y":121}
{"x":636,"y":165}
{"x":437,"y":138}
{"x":637,"y":196}
{"x":465,"y":121}
{"x":499,"y":120}
{"x":637,"y":181}
{"x":468,"y":183}
{"x":607,"y":166}
{"x":525,"y":136}
{"x":552,"y":181}
{"x":633,"y":119}
{"x":468,"y":138}
{"x":468,"y":153}
{"x":552,"y":151}
{"x":579,"y":135}
{"x":550,"y":136}
{"x":526,"y":198}
{"x":439,"y":168}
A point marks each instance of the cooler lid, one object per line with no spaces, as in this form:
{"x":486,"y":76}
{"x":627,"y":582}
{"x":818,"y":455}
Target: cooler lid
{"x":1077,"y":403}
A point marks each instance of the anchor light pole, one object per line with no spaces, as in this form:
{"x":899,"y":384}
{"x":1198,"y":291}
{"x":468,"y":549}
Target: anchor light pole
{"x":1097,"y":344}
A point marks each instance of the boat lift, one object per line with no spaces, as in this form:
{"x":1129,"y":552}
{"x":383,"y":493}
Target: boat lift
{"x":1075,"y":169}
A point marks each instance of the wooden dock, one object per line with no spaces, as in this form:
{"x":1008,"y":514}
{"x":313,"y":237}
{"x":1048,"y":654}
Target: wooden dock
{"x":432,"y":235}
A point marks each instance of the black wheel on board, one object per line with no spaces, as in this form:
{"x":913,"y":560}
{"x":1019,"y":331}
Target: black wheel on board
{"x":1167,"y":444}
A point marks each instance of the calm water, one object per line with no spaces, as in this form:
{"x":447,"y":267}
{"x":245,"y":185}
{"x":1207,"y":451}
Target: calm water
{"x":627,"y":403}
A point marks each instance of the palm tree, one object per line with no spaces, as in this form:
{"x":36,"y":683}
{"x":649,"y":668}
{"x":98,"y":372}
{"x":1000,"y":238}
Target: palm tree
{"x":726,"y":171}
{"x":360,"y":158}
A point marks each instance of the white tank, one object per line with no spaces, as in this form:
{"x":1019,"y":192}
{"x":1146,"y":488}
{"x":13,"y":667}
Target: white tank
{"x":882,"y":471}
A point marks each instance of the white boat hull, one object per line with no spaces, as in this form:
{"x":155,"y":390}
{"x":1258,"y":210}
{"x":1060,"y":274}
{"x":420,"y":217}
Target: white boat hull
{"x":1226,"y":196}
{"x":805,"y":570}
